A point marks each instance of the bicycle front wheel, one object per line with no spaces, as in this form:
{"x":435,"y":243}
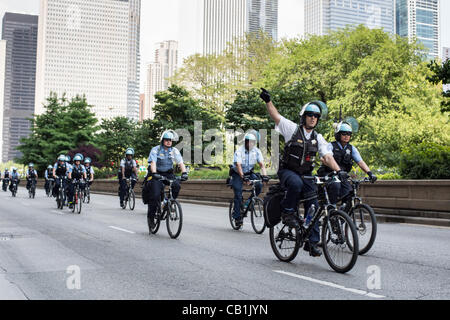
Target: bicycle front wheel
{"x":230,"y":214}
{"x":366,"y":226}
{"x":79,"y":202}
{"x":285,"y":242}
{"x":340,"y":241}
{"x":131,"y":200}
{"x":257,"y":216}
{"x":174,"y":219}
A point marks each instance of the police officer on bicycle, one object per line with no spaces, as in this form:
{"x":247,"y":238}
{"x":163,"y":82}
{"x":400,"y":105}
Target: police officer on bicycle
{"x":89,"y":171}
{"x":77,"y":173}
{"x":245,"y":159}
{"x":15,"y":178}
{"x":128,"y":169}
{"x":31,"y":175}
{"x":60,"y":171}
{"x":344,"y":154}
{"x":6,"y":175}
{"x":302,"y":145}
{"x":161,"y":161}
{"x":48,"y":174}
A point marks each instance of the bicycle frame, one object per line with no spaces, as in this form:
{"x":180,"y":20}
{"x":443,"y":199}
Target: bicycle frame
{"x":252,"y":196}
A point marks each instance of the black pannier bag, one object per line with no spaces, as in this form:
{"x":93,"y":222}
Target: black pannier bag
{"x":272,"y":205}
{"x":146,"y":191}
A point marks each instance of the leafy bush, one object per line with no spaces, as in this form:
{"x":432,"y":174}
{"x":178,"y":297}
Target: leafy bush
{"x":425,"y":161}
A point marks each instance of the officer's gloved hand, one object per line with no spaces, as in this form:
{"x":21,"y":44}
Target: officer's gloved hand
{"x":265,"y":95}
{"x":372,"y":177}
{"x":184,"y":176}
{"x":156,"y":176}
{"x":342,"y":175}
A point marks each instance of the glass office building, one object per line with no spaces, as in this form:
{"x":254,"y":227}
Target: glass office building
{"x":419,"y":20}
{"x":19,"y":32}
{"x":323,"y":16}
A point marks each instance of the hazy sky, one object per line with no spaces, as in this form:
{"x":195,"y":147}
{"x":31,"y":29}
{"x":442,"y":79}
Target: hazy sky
{"x":182,"y":20}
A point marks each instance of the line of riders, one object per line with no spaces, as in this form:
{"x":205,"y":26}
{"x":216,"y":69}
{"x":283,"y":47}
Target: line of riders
{"x":302,"y":144}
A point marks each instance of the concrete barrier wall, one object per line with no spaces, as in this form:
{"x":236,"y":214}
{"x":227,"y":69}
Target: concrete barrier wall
{"x":390,"y":196}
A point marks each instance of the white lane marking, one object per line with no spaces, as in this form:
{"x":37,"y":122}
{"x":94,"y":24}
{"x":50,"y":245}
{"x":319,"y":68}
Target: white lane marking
{"x":124,"y":230}
{"x":58,"y":212}
{"x":333,"y":285}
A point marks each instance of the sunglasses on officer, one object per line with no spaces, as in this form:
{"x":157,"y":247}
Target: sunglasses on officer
{"x":346,"y":134}
{"x":312,"y":114}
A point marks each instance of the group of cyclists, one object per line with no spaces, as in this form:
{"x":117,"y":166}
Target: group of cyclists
{"x":302,"y":146}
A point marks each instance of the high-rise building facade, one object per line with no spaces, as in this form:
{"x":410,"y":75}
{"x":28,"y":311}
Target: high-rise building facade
{"x":225,"y":21}
{"x":445,"y":54}
{"x":91,"y":48}
{"x":20,"y":32}
{"x":2,"y":87}
{"x":419,"y":20}
{"x":159,"y":72}
{"x":167,"y":55}
{"x":141,"y":107}
{"x":323,"y":16}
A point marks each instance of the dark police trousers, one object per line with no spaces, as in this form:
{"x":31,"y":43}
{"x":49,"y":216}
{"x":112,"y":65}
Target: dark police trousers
{"x":71,"y":189}
{"x":298,"y":188}
{"x":155,"y":192}
{"x":237,"y":184}
{"x":29,"y":181}
{"x":339,"y":190}
{"x":57,"y":184}
{"x":123,"y":186}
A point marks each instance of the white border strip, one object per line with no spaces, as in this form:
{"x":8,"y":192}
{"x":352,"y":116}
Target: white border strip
{"x":124,"y":230}
{"x":333,"y":285}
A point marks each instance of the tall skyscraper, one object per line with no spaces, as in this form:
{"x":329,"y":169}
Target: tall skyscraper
{"x":419,"y":20}
{"x":323,"y":16}
{"x":158,"y":72}
{"x":141,"y":107}
{"x":167,"y":55}
{"x":445,"y":53}
{"x":92,"y":48}
{"x":20,"y":32}
{"x":227,"y":20}
{"x":2,"y":87}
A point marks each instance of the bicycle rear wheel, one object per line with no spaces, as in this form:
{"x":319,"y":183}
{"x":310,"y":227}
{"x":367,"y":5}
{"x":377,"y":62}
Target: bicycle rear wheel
{"x":257,"y":215}
{"x":174,"y":219}
{"x":366,"y":226}
{"x":285,"y":242}
{"x":230,"y":214}
{"x":156,"y":222}
{"x":340,"y":241}
{"x":131,"y":200}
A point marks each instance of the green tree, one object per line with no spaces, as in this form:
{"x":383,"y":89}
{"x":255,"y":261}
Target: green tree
{"x":441,"y":75}
{"x":214,"y":79}
{"x":115,"y":136}
{"x":379,"y":79}
{"x":63,"y":126}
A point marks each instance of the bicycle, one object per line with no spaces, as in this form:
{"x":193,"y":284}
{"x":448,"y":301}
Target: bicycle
{"x":130,"y":196}
{"x":61,"y":195}
{"x":169,"y":209}
{"x":339,"y":236}
{"x":255,"y":206}
{"x":51,"y":183}
{"x":87,"y":193}
{"x":5,"y":184}
{"x":77,"y":196}
{"x":363,"y":217}
{"x":32,"y":190}
{"x":14,"y":188}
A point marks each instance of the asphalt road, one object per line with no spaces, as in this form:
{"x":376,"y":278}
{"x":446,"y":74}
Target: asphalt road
{"x":42,"y":249}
